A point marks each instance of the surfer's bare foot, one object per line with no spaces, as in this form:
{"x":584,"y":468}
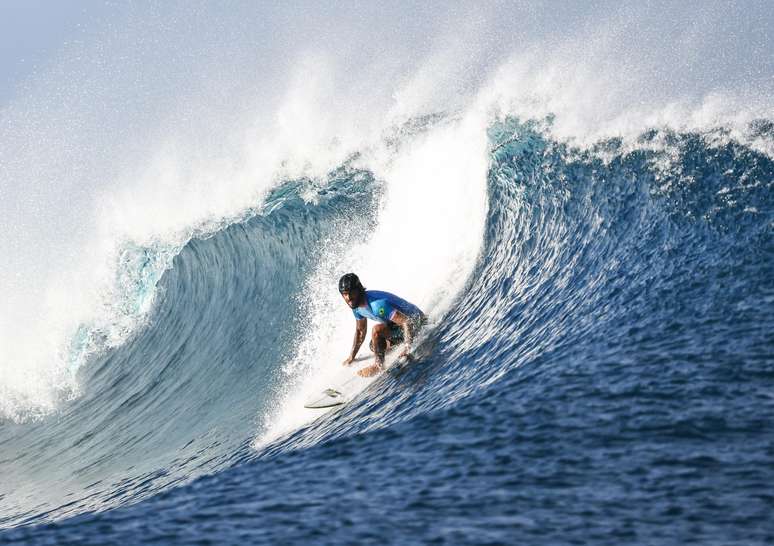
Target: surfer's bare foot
{"x":369,"y":371}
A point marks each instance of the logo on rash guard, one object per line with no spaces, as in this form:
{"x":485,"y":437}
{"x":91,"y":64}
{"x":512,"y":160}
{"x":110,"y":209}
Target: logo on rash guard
{"x":381,"y":311}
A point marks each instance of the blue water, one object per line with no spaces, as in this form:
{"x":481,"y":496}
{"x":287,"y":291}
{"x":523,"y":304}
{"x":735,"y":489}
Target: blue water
{"x":606,"y":375}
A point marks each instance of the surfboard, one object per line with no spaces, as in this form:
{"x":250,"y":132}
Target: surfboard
{"x":327,"y":399}
{"x":348,"y":385}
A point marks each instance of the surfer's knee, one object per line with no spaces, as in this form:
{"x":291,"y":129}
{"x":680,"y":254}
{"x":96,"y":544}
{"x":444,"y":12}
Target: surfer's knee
{"x":378,"y":330}
{"x":378,"y":339}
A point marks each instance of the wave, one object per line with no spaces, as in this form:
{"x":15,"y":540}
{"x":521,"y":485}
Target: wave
{"x":584,"y":252}
{"x":569,"y":191}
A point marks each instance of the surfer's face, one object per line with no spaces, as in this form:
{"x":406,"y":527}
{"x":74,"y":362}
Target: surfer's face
{"x":352,"y":298}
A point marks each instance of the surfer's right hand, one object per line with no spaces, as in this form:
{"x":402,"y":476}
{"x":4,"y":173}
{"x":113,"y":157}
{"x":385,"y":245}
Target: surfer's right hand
{"x":349,"y":360}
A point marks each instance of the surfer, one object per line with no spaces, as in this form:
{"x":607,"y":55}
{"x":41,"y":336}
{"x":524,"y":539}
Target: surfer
{"x":397,"y":321}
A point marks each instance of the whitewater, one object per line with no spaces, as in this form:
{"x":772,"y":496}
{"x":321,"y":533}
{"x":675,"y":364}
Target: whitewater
{"x":580,"y":198}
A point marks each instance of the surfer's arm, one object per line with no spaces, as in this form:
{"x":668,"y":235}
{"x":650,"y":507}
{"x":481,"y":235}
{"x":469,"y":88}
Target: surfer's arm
{"x":408,"y":330}
{"x":360,"y":333}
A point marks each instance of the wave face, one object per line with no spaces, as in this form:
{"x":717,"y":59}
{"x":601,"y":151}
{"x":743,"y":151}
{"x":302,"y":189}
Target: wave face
{"x":604,"y":372}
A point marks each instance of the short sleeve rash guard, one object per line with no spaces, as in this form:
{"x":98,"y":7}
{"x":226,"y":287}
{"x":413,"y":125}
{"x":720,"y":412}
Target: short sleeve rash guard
{"x":381,"y":307}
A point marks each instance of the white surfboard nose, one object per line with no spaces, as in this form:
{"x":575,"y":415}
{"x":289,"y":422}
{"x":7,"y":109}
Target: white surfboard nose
{"x":326,"y":399}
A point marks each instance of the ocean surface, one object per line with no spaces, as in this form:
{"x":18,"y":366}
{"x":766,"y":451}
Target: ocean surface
{"x":599,"y":366}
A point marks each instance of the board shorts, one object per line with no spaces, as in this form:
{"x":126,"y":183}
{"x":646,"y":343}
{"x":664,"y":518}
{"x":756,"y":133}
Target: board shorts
{"x":395,"y":331}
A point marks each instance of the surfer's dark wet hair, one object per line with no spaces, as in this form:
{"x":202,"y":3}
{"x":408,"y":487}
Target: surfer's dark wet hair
{"x":350,"y":281}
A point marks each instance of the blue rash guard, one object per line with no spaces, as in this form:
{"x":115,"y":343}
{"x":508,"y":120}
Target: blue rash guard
{"x":381,"y":307}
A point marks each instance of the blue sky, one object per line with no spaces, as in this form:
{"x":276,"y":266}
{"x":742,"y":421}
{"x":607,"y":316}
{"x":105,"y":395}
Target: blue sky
{"x":32,"y":32}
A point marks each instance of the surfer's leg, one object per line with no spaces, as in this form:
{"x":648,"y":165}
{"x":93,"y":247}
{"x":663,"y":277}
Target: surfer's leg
{"x":379,"y":341}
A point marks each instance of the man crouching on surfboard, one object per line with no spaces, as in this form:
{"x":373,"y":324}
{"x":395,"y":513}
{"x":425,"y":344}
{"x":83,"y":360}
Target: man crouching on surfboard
{"x":397,"y":321}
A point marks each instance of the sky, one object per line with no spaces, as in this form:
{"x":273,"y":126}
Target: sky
{"x":33,"y":32}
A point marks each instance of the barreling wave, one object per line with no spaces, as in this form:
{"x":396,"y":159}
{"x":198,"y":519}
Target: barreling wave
{"x":603,"y":257}
{"x":616,"y":253}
